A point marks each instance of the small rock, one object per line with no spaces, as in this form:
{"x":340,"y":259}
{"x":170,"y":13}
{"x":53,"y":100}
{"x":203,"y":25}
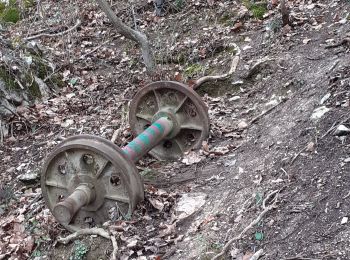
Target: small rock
{"x":235,"y":98}
{"x":341,"y":130}
{"x":319,"y":112}
{"x":325,"y":98}
{"x":12,"y":139}
{"x":189,"y":203}
{"x":30,"y":177}
{"x":344,"y":220}
{"x":310,"y":147}
{"x":242,"y":125}
{"x":347,"y":160}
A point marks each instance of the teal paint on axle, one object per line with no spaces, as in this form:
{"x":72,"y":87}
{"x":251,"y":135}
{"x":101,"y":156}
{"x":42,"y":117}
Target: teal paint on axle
{"x":148,"y":139}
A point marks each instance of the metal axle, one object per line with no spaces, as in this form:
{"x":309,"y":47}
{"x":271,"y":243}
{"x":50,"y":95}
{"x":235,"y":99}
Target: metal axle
{"x":65,"y":210}
{"x":148,"y":139}
{"x":84,"y":194}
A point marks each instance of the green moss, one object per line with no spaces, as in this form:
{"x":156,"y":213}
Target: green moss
{"x":2,"y":7}
{"x":40,"y":67}
{"x":192,"y":70}
{"x":218,"y":88}
{"x":6,"y":77}
{"x":224,"y":18}
{"x":33,"y":88}
{"x":29,"y":3}
{"x":10,"y":15}
{"x":257,"y":10}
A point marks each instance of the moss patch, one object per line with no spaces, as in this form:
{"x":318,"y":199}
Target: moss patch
{"x":10,"y":15}
{"x":258,"y":10}
{"x":218,"y":88}
{"x":193,"y":70}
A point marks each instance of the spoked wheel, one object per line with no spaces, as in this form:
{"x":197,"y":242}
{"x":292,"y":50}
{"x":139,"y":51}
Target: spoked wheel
{"x":87,"y":180}
{"x":179,"y":103}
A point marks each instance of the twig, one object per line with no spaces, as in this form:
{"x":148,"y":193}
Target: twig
{"x":234,"y":64}
{"x":265,"y":112}
{"x":347,"y":195}
{"x":329,"y":130}
{"x":78,"y":23}
{"x":300,"y":257}
{"x":334,"y":125}
{"x":266,"y":209}
{"x":342,"y":42}
{"x":297,"y":155}
{"x":1,"y":133}
{"x":93,"y":50}
{"x":257,"y":255}
{"x":285,"y":13}
{"x":255,"y":68}
{"x":88,"y":231}
{"x":115,"y":135}
{"x":115,"y":248}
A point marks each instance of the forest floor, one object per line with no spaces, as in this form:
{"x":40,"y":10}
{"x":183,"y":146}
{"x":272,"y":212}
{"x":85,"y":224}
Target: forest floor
{"x":275,"y":127}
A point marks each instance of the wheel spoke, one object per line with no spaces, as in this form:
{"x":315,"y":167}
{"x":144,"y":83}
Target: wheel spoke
{"x":148,"y":118}
{"x":182,"y":102}
{"x":117,"y":197}
{"x":178,"y":143}
{"x":102,"y":169}
{"x":191,"y":126}
{"x":156,"y":94}
{"x":56,"y":185}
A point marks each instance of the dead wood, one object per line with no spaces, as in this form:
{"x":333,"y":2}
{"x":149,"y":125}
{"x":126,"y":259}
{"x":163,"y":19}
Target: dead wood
{"x":266,"y":209}
{"x":88,"y":231}
{"x":131,"y":34}
{"x":78,"y":23}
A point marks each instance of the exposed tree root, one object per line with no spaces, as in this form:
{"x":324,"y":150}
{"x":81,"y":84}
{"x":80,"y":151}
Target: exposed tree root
{"x":88,"y":231}
{"x":266,"y":209}
{"x":234,"y":64}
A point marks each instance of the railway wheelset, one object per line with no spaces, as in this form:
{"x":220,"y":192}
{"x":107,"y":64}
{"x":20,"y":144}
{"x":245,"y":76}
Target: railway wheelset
{"x":87,"y":180}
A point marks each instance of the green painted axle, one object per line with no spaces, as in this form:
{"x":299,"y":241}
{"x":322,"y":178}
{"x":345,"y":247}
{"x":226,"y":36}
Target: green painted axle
{"x":148,"y":139}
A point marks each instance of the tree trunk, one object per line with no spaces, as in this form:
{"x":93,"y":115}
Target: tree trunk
{"x":131,"y":34}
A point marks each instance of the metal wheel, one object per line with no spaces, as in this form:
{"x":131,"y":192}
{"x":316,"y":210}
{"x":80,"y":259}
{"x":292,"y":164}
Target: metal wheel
{"x":96,"y":164}
{"x":178,"y":102}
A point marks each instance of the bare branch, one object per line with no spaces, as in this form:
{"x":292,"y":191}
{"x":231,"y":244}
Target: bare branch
{"x":285,"y":13}
{"x":234,"y":64}
{"x":266,"y":209}
{"x":88,"y":231}
{"x":131,"y":34}
{"x":78,"y":23}
{"x":115,"y":248}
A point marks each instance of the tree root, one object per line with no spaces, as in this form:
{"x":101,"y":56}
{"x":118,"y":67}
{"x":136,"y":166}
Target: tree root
{"x":88,"y":231}
{"x":266,"y":209}
{"x":234,"y":64}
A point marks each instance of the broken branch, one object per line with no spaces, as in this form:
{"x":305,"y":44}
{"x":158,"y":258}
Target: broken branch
{"x":88,"y":231}
{"x":115,"y":248}
{"x":78,"y":23}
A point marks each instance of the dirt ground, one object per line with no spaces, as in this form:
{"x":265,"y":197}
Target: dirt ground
{"x":251,"y":153}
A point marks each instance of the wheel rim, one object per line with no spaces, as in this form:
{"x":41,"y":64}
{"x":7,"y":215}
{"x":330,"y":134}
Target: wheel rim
{"x":172,"y":99}
{"x":100,"y":163}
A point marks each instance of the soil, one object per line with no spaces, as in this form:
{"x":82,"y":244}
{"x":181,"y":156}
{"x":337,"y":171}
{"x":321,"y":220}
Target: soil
{"x":282,"y":150}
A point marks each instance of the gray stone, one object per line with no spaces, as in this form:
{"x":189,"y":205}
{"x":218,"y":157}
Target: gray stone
{"x":342,"y":130}
{"x":190,"y":203}
{"x":319,"y":112}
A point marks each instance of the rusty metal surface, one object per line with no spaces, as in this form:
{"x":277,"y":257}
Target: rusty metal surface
{"x":179,"y":103}
{"x":102,"y":167}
